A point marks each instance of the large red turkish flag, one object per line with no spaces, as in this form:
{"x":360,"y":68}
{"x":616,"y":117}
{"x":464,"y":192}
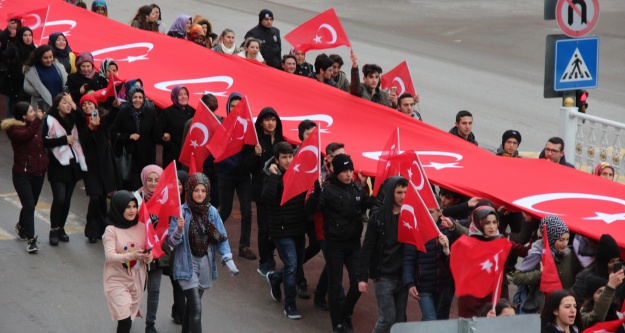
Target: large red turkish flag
{"x":165,"y":201}
{"x":202,"y":129}
{"x":237,"y":130}
{"x":606,"y":327}
{"x":400,"y":78}
{"x":589,"y":205}
{"x":304,"y":168}
{"x":416,"y":225}
{"x":152,"y":240}
{"x":323,"y":31}
{"x":549,"y":280}
{"x":385,"y":168}
{"x":410,"y":168}
{"x":477,"y":265}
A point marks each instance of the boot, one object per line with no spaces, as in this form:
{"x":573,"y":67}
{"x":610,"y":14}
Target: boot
{"x":54,"y":237}
{"x":63,"y":237}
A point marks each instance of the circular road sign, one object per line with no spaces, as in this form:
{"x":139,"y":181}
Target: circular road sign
{"x":577,"y":18}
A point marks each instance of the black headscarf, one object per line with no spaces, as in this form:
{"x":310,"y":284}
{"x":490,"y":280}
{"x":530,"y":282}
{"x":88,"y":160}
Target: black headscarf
{"x":119,"y":202}
{"x":56,"y":51}
{"x":23,"y":50}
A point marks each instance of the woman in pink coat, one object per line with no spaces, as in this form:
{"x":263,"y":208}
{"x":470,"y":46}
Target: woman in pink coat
{"x":125,"y":266}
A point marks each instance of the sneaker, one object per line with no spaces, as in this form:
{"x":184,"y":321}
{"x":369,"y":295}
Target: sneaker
{"x":320,"y":302}
{"x":246,"y":252}
{"x":274,"y":288}
{"x":32,"y":246}
{"x":291,"y":312}
{"x":263,"y":269}
{"x":20,"y":232}
{"x":340,"y":328}
{"x":302,"y":290}
{"x":348,"y":323}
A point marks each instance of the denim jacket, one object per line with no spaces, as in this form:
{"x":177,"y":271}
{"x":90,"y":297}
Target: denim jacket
{"x":183,"y":264}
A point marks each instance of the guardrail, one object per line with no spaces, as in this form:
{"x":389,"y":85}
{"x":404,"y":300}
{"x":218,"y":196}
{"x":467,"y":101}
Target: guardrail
{"x":596,"y":140}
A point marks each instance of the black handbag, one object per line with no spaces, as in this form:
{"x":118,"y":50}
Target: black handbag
{"x":124,"y":164}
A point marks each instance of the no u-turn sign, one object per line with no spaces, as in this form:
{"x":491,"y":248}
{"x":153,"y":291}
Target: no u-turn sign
{"x":577,"y":18}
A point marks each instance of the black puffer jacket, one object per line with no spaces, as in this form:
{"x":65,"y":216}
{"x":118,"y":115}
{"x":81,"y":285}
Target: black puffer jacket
{"x":289,"y":219}
{"x":342,"y":206}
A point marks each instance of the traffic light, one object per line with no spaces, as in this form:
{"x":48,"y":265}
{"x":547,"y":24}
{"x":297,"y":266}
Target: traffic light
{"x":581,"y":97}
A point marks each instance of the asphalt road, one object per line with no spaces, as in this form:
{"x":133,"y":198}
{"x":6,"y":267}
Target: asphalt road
{"x":484,"y":56}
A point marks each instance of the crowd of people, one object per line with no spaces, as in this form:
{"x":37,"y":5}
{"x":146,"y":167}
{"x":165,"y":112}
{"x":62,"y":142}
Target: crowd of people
{"x":111,"y":146}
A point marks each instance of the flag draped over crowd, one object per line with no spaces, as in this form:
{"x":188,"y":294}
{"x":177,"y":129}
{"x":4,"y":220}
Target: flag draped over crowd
{"x":588,"y":204}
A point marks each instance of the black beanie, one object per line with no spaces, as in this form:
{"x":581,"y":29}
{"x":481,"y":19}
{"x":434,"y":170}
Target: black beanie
{"x":342,"y":162}
{"x":593,"y":283}
{"x":607,"y":249}
{"x":264,"y":13}
{"x":510,"y":134}
{"x":20,"y":109}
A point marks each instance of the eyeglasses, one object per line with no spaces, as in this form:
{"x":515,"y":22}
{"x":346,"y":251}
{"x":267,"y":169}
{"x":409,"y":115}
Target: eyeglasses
{"x":552,"y":151}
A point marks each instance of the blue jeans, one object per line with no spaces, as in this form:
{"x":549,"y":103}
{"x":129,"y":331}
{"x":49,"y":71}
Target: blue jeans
{"x":291,"y":251}
{"x":430,"y":304}
{"x":392,"y":299}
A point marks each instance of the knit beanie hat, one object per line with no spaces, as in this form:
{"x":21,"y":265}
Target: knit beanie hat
{"x":593,"y":283}
{"x":342,"y":162}
{"x":510,"y":134}
{"x":607,"y":249}
{"x":555,"y":229}
{"x":87,"y":97}
{"x":263,"y":14}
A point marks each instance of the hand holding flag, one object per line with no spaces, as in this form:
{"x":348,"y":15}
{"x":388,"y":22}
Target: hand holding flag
{"x":549,"y":280}
{"x":400,"y":78}
{"x":237,"y":130}
{"x":416,"y":225}
{"x":165,"y":201}
{"x":152,"y":240}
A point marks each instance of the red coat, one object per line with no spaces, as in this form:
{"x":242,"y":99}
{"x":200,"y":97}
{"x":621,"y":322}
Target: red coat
{"x":29,"y":156}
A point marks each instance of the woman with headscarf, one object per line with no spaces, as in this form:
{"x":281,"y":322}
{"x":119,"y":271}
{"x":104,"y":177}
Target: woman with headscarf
{"x":108,"y":66}
{"x":84,"y":79}
{"x":99,"y":7}
{"x":125,"y":266}
{"x":146,"y":19}
{"x":196,"y":35}
{"x":101,"y":177}
{"x":63,"y":52}
{"x":181,"y":27}
{"x":604,"y":170}
{"x":169,"y":129}
{"x":485,"y":227}
{"x":529,"y":299}
{"x":134,"y":131}
{"x":44,"y":77}
{"x":226,"y":44}
{"x":207,"y":27}
{"x":14,"y":58}
{"x":67,"y":160}
{"x":196,"y":237}
{"x":30,"y":163}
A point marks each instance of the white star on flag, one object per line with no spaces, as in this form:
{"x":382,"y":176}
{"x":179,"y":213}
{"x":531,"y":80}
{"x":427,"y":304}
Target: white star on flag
{"x":194,"y":144}
{"x":607,"y":218}
{"x":407,"y":225}
{"x":486,"y":265}
{"x":317,"y":39}
{"x":296,"y":167}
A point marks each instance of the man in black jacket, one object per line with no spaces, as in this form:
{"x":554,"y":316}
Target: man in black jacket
{"x":271,"y":44}
{"x":342,"y":203}
{"x":381,"y":255}
{"x":287,"y":226}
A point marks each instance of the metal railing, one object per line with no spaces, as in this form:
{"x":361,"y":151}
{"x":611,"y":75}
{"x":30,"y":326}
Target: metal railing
{"x":596,"y":140}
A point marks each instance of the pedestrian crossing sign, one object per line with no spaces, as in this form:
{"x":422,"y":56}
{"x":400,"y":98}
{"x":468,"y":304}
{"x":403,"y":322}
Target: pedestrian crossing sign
{"x":576,"y":63}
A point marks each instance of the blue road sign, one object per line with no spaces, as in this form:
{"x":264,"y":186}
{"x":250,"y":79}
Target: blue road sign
{"x":576,"y":63}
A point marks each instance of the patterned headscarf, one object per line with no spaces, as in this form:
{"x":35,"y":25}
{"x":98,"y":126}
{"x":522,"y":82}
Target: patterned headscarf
{"x":479,"y":214}
{"x":152,"y":168}
{"x":174,"y":95}
{"x":198,"y":178}
{"x":104,"y":66}
{"x":602,"y":166}
{"x":555,"y":229}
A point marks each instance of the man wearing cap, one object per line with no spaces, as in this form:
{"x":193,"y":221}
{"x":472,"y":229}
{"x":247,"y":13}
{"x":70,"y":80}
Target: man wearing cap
{"x":510,"y":141}
{"x":342,"y":202}
{"x":271,"y":44}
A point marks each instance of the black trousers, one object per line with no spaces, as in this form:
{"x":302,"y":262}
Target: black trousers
{"x":28,"y":189}
{"x":61,"y":200}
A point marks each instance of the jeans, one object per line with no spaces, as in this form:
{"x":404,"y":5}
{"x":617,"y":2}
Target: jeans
{"x":244,"y":193}
{"x":310,"y":252}
{"x":61,"y":200}
{"x":337,"y":254}
{"x":431,"y":305}
{"x":28,"y":189}
{"x":265,"y":246}
{"x":96,"y":216}
{"x":291,"y":252}
{"x":392,"y":299}
{"x":154,"y":289}
{"x":192,"y":321}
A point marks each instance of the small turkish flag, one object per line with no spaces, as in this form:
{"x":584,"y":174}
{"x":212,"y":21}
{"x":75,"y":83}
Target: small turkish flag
{"x":104,"y":93}
{"x":202,"y":129}
{"x":323,"y":31}
{"x":304,"y":168}
{"x":606,"y":326}
{"x":35,"y":19}
{"x":237,"y":130}
{"x":416,"y":225}
{"x":478,"y":264}
{"x":152,"y":240}
{"x":385,"y":169}
{"x":410,"y":167}
{"x":399,"y":77}
{"x":165,"y":201}
{"x":549,"y":280}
